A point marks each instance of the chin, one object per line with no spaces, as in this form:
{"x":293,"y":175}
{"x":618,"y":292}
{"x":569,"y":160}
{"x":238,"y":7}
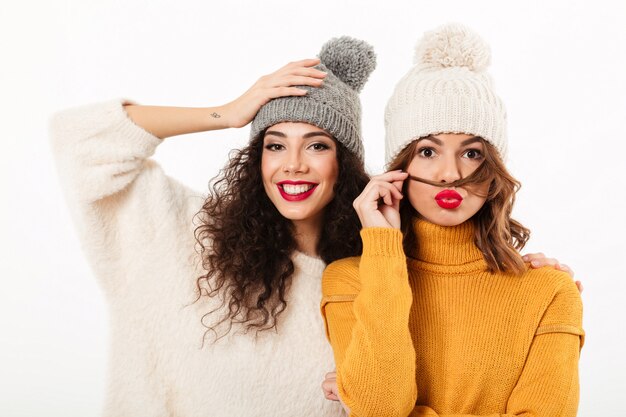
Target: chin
{"x":447,"y":218}
{"x":289,"y":215}
{"x":451,"y":223}
{"x":296,"y":213}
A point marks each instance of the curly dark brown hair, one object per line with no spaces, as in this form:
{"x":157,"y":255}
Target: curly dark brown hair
{"x":498,"y":236}
{"x":246,"y":245}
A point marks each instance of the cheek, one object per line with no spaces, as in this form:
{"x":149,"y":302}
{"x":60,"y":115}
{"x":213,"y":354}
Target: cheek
{"x":267,"y":168}
{"x":334,"y":173}
{"x":418,"y":169}
{"x":417,"y":194}
{"x":328,"y":169}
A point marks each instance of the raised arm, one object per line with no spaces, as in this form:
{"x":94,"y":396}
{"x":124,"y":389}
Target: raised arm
{"x":366,"y":307}
{"x":122,"y":202}
{"x":164,"y":122}
{"x":101,"y":148}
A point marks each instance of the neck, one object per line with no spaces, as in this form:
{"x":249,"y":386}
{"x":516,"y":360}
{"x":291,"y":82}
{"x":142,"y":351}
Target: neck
{"x":445,"y":245}
{"x":307,"y":235}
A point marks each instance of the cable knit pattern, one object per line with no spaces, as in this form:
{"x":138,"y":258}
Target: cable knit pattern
{"x":135,"y":224}
{"x":436,"y":334}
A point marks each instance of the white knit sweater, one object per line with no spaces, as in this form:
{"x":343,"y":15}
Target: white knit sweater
{"x":135,"y":224}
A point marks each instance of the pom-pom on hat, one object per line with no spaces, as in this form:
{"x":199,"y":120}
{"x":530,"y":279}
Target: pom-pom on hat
{"x":335,"y":106}
{"x":448,"y":90}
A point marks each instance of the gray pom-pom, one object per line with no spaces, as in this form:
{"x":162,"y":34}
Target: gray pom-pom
{"x":351,"y":60}
{"x":453,"y":45}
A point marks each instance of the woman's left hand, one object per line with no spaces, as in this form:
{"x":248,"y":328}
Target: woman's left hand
{"x":539,"y":260}
{"x":331,"y":392}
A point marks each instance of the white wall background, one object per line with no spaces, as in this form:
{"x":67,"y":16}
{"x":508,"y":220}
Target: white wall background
{"x":559,"y":65}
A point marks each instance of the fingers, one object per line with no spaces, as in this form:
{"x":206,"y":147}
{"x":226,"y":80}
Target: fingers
{"x":391,"y":176}
{"x":529,"y":257}
{"x":539,"y":260}
{"x":565,"y":268}
{"x":580,"y":287}
{"x":398,"y":185}
{"x":388,"y":185}
{"x":329,"y":387}
{"x":309,"y":72}
{"x":308,"y":62}
{"x":376,"y":190}
{"x":378,"y":203}
{"x":297,"y":73}
{"x":284,"y":82}
{"x":286,"y":91}
{"x":291,"y":80}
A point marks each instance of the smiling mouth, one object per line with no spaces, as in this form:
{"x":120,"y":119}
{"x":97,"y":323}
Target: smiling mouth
{"x":296,"y":191}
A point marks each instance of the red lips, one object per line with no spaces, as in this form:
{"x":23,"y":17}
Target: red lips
{"x":296,"y":197}
{"x":448,"y":199}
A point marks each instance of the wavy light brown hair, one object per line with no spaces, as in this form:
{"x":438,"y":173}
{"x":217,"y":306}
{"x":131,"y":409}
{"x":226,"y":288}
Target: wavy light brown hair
{"x":498,"y":236}
{"x":246,"y":245}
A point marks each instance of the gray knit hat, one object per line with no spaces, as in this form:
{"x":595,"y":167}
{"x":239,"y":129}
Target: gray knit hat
{"x":334,"y":107}
{"x":448,"y":90}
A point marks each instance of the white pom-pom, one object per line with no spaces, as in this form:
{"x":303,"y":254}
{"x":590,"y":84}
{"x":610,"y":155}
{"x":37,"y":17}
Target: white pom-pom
{"x":351,"y":60}
{"x":453,"y":45}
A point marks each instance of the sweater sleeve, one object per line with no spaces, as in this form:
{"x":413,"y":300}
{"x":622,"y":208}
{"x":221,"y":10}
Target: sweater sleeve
{"x":548,"y":385}
{"x":99,"y":151}
{"x":120,"y":200}
{"x":369,"y":328}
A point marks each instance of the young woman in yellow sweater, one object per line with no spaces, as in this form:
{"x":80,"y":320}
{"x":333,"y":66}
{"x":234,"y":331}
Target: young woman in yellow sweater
{"x":440,"y":316}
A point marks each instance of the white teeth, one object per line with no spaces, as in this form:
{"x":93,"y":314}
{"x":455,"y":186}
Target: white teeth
{"x":292,"y":189}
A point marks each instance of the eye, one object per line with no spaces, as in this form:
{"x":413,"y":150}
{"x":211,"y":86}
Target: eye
{"x":274,"y":147}
{"x":473,"y":154}
{"x":426,"y":152}
{"x":318,"y":146}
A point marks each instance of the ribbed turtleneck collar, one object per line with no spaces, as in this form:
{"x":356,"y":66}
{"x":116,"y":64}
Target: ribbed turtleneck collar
{"x":446,"y":246}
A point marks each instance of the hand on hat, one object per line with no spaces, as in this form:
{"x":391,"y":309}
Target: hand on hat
{"x":280,"y":83}
{"x":379,"y":203}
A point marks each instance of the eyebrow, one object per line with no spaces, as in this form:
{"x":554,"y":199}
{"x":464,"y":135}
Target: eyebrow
{"x":471,"y":140}
{"x":440,"y":142}
{"x":305,"y":136}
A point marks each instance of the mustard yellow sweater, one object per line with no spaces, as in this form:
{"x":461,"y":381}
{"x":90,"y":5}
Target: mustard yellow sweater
{"x":435,"y":334}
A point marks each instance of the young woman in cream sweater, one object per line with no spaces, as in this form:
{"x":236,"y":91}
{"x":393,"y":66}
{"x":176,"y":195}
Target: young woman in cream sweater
{"x":186,"y":275}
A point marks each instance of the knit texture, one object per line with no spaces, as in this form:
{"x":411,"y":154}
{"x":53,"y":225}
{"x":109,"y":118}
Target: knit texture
{"x":335,"y":106}
{"x":448,"y":90}
{"x":435,"y":334}
{"x":135,"y":225}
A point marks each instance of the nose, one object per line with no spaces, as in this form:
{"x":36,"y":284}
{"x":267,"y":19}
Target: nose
{"x":450,"y":169}
{"x":294,"y":162}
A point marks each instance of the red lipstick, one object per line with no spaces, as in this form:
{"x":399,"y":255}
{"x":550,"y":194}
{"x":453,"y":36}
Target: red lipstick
{"x":296,"y":197}
{"x":448,"y":199}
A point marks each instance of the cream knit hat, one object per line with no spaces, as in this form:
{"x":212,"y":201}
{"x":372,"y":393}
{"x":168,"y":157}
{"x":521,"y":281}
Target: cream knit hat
{"x":447,"y":91}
